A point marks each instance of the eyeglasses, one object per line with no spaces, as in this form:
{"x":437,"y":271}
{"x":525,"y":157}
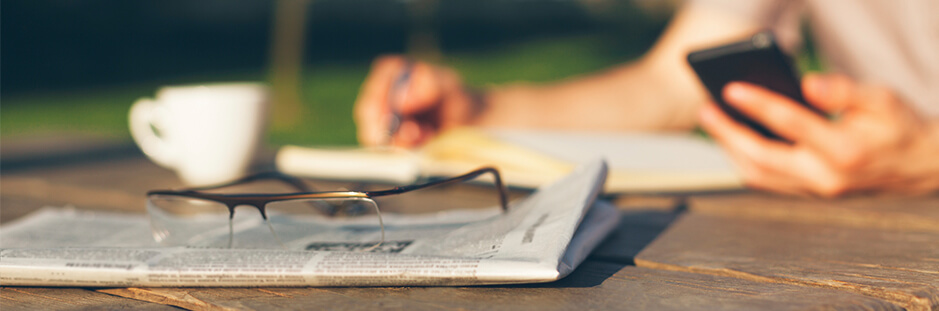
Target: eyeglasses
{"x":204,"y":218}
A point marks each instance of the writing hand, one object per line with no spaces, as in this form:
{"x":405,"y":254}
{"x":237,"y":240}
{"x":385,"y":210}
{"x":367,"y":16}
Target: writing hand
{"x":876,"y":143}
{"x":436,"y":100}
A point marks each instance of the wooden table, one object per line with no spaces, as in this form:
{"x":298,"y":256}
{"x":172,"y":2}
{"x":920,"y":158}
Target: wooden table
{"x":719,"y":251}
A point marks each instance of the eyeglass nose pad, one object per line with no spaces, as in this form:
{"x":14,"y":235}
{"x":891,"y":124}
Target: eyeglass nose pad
{"x":261,"y":209}
{"x":326,"y":207}
{"x":356,"y":207}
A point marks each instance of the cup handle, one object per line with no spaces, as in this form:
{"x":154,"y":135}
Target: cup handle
{"x":143,"y":119}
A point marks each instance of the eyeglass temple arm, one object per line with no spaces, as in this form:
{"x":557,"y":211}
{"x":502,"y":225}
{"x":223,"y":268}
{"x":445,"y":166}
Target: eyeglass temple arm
{"x":503,"y":192}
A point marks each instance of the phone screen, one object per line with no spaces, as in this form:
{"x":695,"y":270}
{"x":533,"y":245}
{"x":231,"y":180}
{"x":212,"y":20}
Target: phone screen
{"x":757,"y":60}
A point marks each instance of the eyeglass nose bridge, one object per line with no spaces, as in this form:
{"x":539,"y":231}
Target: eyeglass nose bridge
{"x":258,"y":205}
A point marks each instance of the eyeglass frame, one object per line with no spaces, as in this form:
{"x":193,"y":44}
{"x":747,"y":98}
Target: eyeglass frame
{"x":260,"y":200}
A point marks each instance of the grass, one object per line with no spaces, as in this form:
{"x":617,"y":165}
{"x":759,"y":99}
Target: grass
{"x":100,"y":111}
{"x":328,"y":91}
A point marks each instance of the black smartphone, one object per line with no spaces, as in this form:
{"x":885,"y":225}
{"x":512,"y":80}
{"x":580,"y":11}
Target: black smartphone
{"x":757,"y":60}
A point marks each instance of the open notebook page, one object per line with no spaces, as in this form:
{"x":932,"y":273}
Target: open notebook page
{"x":636,"y":152}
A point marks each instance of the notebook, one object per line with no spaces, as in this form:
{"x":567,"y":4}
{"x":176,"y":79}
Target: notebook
{"x":639,"y":162}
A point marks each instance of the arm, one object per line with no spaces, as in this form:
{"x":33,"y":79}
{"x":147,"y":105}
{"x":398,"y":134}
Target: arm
{"x":657,"y":92}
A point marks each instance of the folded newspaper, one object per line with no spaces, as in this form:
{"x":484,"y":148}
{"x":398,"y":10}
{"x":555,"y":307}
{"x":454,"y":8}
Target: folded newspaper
{"x":541,"y":238}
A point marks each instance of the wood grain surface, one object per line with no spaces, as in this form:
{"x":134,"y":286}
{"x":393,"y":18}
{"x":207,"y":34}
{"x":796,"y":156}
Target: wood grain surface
{"x":898,"y":266}
{"x":24,"y":298}
{"x":593,"y":286}
{"x":118,"y":185}
{"x":917,"y":213}
{"x":740,"y":251}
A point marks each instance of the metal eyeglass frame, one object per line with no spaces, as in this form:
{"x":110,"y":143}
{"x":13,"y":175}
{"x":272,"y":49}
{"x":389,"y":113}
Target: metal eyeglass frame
{"x":260,"y":200}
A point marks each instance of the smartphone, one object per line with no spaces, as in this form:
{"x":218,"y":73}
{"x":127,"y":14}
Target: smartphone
{"x":757,"y":60}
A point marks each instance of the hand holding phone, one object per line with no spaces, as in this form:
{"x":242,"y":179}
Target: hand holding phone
{"x":757,"y":60}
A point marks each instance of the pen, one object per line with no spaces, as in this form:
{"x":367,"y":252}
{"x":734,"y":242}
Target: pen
{"x":396,"y":96}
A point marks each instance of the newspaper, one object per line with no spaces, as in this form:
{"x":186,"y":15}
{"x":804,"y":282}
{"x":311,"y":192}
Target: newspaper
{"x":541,"y":238}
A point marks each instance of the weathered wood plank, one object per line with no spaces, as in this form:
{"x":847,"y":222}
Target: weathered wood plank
{"x":62,"y":149}
{"x":25,"y":298}
{"x":883,"y":212}
{"x":133,"y":175}
{"x":899,"y":266}
{"x":120,"y":184}
{"x":114,"y":185}
{"x":593,"y":286}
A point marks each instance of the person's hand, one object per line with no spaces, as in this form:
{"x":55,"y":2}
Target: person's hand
{"x":435,"y":100}
{"x":876,"y":143}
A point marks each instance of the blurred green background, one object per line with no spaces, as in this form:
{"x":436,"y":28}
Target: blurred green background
{"x":76,"y":66}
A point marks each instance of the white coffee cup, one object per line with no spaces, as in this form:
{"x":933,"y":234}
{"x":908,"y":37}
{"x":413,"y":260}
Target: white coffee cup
{"x":209,"y":134}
